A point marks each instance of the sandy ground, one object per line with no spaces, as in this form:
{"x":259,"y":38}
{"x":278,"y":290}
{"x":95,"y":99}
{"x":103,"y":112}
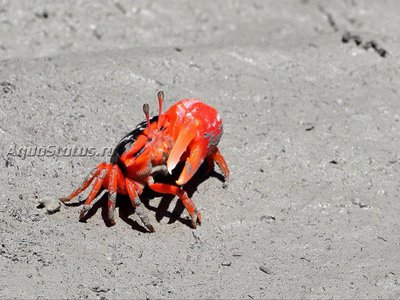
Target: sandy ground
{"x":311,"y":137}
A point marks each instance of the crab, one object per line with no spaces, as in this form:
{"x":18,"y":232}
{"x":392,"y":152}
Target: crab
{"x":188,"y":132}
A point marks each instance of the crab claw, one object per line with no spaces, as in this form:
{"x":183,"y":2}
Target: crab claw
{"x":181,"y":144}
{"x":198,"y":152}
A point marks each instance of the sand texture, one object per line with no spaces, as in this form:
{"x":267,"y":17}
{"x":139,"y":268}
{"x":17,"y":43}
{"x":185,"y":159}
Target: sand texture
{"x":309,"y":96}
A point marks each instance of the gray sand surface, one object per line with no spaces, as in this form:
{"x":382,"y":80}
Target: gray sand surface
{"x":311,"y":138}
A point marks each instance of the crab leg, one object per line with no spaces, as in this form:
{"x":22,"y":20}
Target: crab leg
{"x":115,"y":181}
{"x":219,"y":159}
{"x":88,"y":180}
{"x":93,"y":193}
{"x":187,"y":202}
{"x":129,"y":155}
{"x":133,"y":192}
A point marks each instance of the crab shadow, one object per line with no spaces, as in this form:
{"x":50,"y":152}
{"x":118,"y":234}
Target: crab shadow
{"x":161,"y":211}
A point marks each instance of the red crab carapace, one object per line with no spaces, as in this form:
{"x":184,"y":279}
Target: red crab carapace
{"x":188,"y":132}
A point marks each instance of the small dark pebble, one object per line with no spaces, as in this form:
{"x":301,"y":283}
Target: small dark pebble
{"x":346,"y":37}
{"x":381,"y":238}
{"x":334,"y":162}
{"x":267,"y":218}
{"x":98,"y":289}
{"x":373,"y":44}
{"x":381,"y":52}
{"x":310,"y":128}
{"x":7,"y":87}
{"x":265,"y":270}
{"x":42,"y":15}
{"x":359,"y":204}
{"x":357,"y":40}
{"x":178,"y":49}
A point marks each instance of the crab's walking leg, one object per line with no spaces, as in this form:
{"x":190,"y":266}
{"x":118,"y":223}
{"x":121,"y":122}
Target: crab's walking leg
{"x":129,"y":155}
{"x":220,"y":160}
{"x":112,"y":192}
{"x":187,"y":202}
{"x":93,"y":193}
{"x":93,"y":174}
{"x":133,"y":192}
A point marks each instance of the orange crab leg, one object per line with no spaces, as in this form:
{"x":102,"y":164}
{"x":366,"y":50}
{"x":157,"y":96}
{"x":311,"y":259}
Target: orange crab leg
{"x":220,"y":160}
{"x":94,"y":192}
{"x":187,"y":202}
{"x":133,"y":192}
{"x":115,"y":183}
{"x":129,"y":155}
{"x":93,"y":174}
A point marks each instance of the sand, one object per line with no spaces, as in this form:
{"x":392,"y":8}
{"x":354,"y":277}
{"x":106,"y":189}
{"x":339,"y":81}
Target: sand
{"x":309,"y":95}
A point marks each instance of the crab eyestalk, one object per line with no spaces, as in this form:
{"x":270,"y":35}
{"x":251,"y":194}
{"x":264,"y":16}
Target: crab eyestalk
{"x":146,"y":111}
{"x":160,"y":96}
